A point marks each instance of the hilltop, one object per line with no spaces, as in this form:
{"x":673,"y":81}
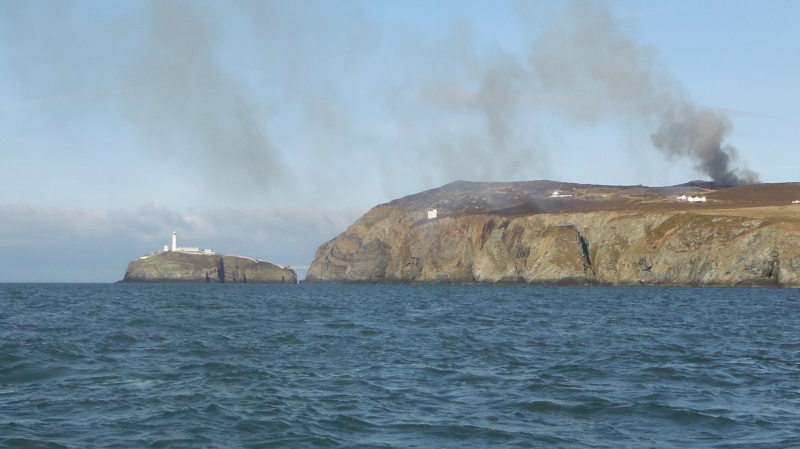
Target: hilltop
{"x":562,"y":233}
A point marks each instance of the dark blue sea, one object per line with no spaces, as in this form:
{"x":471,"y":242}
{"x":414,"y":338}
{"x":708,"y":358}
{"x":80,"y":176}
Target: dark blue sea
{"x":296,"y":366}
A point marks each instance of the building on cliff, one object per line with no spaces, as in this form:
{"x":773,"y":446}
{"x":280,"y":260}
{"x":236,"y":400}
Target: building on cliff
{"x":180,"y":249}
{"x":186,"y":249}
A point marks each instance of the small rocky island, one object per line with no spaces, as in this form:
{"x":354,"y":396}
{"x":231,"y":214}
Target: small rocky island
{"x":545,"y":232}
{"x":176,"y":264}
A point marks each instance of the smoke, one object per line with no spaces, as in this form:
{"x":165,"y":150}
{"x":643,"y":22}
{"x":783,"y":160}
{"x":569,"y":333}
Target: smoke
{"x":231,"y":93}
{"x":597,"y":72}
{"x":583,"y":69}
{"x":251,"y":96}
{"x":467,"y":110}
{"x":186,"y":103}
{"x":699,"y":133}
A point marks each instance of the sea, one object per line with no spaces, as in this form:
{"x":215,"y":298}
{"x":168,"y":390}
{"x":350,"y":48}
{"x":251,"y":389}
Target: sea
{"x":397,"y":366}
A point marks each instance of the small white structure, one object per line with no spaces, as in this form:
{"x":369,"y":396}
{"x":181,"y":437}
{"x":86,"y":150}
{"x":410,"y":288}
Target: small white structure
{"x":692,"y":199}
{"x":796,"y":202}
{"x":432,"y":214}
{"x":187,"y":249}
{"x":176,"y":248}
{"x":557,"y":194}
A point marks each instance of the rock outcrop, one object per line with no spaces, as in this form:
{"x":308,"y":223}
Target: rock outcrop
{"x":522,"y":233}
{"x":176,"y":266}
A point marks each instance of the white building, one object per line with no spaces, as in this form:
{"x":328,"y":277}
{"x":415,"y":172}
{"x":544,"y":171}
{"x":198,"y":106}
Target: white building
{"x":176,"y":248}
{"x":187,"y":249}
{"x":432,"y":214}
{"x":692,"y":199}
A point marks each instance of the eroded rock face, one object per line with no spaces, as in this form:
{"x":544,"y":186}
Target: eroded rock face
{"x":169,"y":266}
{"x":641,"y":241}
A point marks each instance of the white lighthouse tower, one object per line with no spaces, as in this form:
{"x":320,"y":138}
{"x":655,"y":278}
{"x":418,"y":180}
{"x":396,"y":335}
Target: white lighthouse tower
{"x":174,"y":240}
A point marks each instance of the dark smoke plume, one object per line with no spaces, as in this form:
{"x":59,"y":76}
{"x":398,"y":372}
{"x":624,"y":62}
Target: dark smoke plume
{"x":585,"y":56}
{"x":583,"y":68}
{"x":699,"y":133}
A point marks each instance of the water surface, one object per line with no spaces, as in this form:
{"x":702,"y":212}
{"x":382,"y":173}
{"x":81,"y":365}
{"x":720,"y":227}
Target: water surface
{"x":124,"y":365}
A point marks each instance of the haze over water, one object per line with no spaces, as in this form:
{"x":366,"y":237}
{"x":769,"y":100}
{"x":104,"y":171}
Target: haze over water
{"x":397,"y":366}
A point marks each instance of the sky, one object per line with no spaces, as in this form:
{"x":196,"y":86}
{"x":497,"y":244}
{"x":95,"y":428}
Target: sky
{"x":265,"y":128}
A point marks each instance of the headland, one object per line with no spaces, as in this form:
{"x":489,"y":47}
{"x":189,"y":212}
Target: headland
{"x":545,"y":232}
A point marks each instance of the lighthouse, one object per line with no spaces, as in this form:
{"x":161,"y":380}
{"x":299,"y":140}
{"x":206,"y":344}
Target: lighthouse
{"x":185,"y":249}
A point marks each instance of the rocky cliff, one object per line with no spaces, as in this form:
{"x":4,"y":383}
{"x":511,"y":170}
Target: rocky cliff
{"x":524,"y":233}
{"x":174,"y":266}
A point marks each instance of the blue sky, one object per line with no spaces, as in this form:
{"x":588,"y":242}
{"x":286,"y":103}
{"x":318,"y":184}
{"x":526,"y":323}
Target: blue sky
{"x":265,"y":128}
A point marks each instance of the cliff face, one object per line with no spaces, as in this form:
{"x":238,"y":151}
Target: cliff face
{"x":517,"y":233}
{"x":169,"y":266}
